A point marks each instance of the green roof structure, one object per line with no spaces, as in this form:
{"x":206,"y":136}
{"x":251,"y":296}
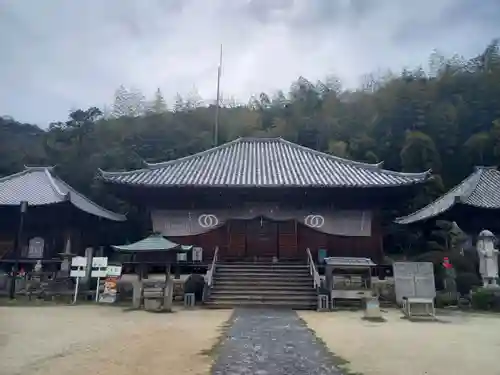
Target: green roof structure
{"x":154,"y":242}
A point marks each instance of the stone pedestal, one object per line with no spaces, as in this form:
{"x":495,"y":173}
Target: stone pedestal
{"x":372,"y":309}
{"x":152,"y":304}
{"x":169,"y":293}
{"x":137,"y":295}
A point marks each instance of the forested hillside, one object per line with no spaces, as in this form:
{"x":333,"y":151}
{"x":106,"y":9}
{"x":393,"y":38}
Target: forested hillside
{"x":446,"y":118}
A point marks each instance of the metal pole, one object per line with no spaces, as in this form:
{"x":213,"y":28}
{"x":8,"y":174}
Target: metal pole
{"x":217,"y":105}
{"x":17,"y":249}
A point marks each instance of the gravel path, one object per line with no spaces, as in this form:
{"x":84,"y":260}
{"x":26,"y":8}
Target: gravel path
{"x":272,"y":342}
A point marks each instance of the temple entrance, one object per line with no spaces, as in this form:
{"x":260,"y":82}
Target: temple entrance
{"x":261,"y":239}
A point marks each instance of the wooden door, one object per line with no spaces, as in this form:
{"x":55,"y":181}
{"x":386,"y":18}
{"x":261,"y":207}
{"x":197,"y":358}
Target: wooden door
{"x":287,"y":239}
{"x":237,"y":239}
{"x":262,"y":239}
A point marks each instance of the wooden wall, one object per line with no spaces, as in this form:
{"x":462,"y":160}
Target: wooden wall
{"x":292,"y":240}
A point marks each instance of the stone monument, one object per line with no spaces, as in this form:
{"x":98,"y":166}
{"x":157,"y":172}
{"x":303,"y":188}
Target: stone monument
{"x":488,"y":258}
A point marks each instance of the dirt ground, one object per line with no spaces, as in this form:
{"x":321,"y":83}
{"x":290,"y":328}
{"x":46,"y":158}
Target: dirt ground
{"x":82,"y":340}
{"x":460,"y":344}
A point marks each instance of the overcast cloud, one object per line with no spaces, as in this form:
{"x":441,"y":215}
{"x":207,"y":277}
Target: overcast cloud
{"x":61,"y":54}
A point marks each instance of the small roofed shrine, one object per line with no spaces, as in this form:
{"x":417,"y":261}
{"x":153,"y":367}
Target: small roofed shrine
{"x":263,"y":199}
{"x":58,"y":220}
{"x":154,"y":243}
{"x":157,"y":292}
{"x":474,"y":204}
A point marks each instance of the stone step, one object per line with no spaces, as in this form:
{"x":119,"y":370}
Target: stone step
{"x":273,"y":266}
{"x":268,"y":286}
{"x":215,"y":293}
{"x":261,"y":297}
{"x":253,"y":282}
{"x":261,"y":275}
{"x":266,"y":263}
{"x":259,"y":304}
{"x":285,"y":272}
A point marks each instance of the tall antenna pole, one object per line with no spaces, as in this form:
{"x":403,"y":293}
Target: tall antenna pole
{"x":217,"y":105}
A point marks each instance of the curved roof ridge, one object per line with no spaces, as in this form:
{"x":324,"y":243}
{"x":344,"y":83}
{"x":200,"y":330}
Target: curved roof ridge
{"x":39,"y":167}
{"x":378,"y":166}
{"x":10,"y":176}
{"x":194,"y":156}
{"x":53,"y":184}
{"x":333,"y":157}
{"x":487,"y":167}
{"x":72,"y":191}
{"x":272,"y":162}
{"x":41,"y":186}
{"x":27,"y":169}
{"x":473,"y":178}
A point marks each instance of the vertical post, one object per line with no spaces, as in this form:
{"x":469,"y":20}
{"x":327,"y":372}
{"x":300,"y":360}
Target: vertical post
{"x":296,"y":238}
{"x":76,"y":289}
{"x":23,"y":207}
{"x":217,"y":105}
{"x":166,"y":290}
{"x":97,"y":289}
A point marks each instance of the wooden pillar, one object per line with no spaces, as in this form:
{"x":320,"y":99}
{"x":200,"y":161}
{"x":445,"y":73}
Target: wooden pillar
{"x":297,"y":238}
{"x":228,"y":238}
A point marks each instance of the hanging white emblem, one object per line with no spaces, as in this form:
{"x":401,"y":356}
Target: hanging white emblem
{"x":314,"y":221}
{"x":208,"y":221}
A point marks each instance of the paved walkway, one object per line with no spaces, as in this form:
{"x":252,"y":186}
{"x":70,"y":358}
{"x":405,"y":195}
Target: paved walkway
{"x":272,"y":342}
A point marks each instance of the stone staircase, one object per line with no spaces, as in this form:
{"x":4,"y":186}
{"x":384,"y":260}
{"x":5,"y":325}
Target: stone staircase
{"x":262,"y":284}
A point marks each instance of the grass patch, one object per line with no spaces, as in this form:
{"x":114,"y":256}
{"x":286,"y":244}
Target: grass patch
{"x":339,"y":362}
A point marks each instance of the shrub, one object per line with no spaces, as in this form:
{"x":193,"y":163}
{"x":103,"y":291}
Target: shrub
{"x":486,"y":299}
{"x":467,"y":281}
{"x":445,"y":299}
{"x":195,"y":284}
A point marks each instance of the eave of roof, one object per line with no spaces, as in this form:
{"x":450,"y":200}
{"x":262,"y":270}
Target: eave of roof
{"x":481,"y":189}
{"x":39,"y":186}
{"x":263,"y":162}
{"x":154,"y":242}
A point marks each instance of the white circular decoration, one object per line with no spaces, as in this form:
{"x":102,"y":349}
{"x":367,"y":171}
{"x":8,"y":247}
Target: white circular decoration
{"x":314,"y":221}
{"x":208,"y":221}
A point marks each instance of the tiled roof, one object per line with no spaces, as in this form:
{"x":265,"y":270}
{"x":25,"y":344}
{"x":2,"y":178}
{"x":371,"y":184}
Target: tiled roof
{"x":152,"y":243}
{"x":39,"y":186}
{"x":481,"y":189}
{"x":263,"y":162}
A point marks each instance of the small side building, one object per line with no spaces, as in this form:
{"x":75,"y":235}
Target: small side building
{"x":474,"y":204}
{"x":58,"y":218}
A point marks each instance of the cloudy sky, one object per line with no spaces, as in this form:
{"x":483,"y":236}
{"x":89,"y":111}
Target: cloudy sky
{"x":56,"y":55}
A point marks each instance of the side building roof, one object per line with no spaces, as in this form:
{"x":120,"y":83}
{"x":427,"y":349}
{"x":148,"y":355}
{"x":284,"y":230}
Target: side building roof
{"x":39,"y":186}
{"x":263,"y":162}
{"x":481,"y":189}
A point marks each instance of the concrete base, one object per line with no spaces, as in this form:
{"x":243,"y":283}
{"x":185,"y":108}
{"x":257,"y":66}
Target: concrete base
{"x":153,"y":304}
{"x":372,"y":309}
{"x":137,"y":295}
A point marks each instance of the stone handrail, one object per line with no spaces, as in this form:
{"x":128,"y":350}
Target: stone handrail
{"x":211,"y":271}
{"x":312,"y":270}
{"x":209,"y":277}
